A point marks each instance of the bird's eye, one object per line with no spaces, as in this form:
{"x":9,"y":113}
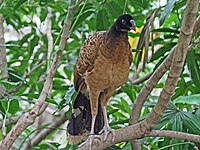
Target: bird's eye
{"x":123,"y":22}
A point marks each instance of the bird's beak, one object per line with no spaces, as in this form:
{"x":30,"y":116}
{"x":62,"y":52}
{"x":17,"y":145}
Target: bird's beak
{"x":133,"y":27}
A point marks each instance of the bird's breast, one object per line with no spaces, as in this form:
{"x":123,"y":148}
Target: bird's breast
{"x":108,"y":72}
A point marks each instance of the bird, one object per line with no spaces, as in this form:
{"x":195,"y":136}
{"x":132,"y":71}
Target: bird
{"x":102,"y":66}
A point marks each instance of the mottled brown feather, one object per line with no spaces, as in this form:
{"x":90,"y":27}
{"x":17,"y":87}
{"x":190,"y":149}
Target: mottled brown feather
{"x":103,"y":63}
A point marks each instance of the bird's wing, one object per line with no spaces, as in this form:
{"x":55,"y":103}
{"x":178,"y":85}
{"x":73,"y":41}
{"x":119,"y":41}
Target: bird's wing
{"x":87,"y":56}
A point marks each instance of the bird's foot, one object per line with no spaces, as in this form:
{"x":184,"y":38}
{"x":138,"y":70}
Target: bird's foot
{"x":90,"y":140}
{"x":106,"y":131}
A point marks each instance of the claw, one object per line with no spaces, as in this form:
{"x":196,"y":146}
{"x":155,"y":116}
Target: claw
{"x":90,"y":140}
{"x":106,"y":131}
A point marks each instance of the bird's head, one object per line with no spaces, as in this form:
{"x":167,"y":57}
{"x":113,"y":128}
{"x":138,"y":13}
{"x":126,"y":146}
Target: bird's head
{"x":125,"y":23}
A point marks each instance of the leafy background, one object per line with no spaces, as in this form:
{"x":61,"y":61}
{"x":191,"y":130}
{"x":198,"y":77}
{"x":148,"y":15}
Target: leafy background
{"x":28,"y":62}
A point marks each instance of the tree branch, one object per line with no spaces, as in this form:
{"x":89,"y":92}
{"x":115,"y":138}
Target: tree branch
{"x":144,"y":93}
{"x":28,"y":118}
{"x":48,"y":32}
{"x":196,"y":26}
{"x":176,"y":66}
{"x":148,"y":87}
{"x":137,"y":131}
{"x":3,"y":61}
{"x":142,"y":79}
{"x":174,"y":134}
{"x":45,"y":132}
{"x":124,"y":134}
{"x":10,"y":120}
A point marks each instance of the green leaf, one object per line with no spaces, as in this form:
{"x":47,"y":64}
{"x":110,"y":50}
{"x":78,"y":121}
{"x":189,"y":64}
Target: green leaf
{"x":44,"y":14}
{"x":149,"y":104}
{"x":162,"y":51}
{"x":177,"y":124}
{"x":119,"y":122}
{"x":125,"y":105}
{"x":9,"y":69}
{"x":191,"y":100}
{"x":19,"y":4}
{"x":68,"y":96}
{"x":112,"y":111}
{"x":181,"y":89}
{"x":33,"y":44}
{"x":191,"y":122}
{"x":13,"y":106}
{"x":179,"y":5}
{"x":114,"y":9}
{"x":102,"y":20}
{"x":157,"y":65}
{"x":121,"y":107}
{"x":51,"y":101}
{"x":82,"y":17}
{"x":15,"y":75}
{"x":31,"y":95}
{"x":168,"y":116}
{"x":173,"y":145}
{"x":5,"y":11}
{"x":130,"y":91}
{"x":166,"y":12}
{"x":193,"y":67}
{"x":26,"y":37}
{"x":170,"y":30}
{"x":170,"y":37}
{"x":9,"y":85}
{"x":45,"y":2}
{"x":139,"y":3}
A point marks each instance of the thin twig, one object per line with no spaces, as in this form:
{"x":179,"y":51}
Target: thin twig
{"x":125,"y":6}
{"x":174,"y":134}
{"x":48,"y":32}
{"x":10,"y":120}
{"x":49,"y":51}
{"x":142,"y":79}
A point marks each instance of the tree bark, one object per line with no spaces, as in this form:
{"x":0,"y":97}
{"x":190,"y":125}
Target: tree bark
{"x":3,"y":61}
{"x":174,"y":134}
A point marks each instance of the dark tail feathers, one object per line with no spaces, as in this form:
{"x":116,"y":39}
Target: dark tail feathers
{"x":80,"y":123}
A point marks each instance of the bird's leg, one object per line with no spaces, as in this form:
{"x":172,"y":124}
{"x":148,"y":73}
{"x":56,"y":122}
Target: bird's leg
{"x":106,"y":128}
{"x":94,"y":96}
{"x":104,"y":99}
{"x":92,"y":135}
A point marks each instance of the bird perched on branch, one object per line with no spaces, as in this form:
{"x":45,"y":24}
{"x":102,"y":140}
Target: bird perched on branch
{"x":102,"y":66}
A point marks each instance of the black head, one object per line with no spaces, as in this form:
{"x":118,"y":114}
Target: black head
{"x":125,"y":23}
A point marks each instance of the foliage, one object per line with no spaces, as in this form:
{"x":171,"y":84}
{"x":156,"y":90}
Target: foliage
{"x":28,"y":62}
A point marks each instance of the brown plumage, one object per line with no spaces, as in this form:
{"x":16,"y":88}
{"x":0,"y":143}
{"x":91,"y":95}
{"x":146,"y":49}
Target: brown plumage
{"x":102,"y":66}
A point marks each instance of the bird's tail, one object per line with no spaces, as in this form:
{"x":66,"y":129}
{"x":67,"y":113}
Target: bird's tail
{"x":80,"y":123}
